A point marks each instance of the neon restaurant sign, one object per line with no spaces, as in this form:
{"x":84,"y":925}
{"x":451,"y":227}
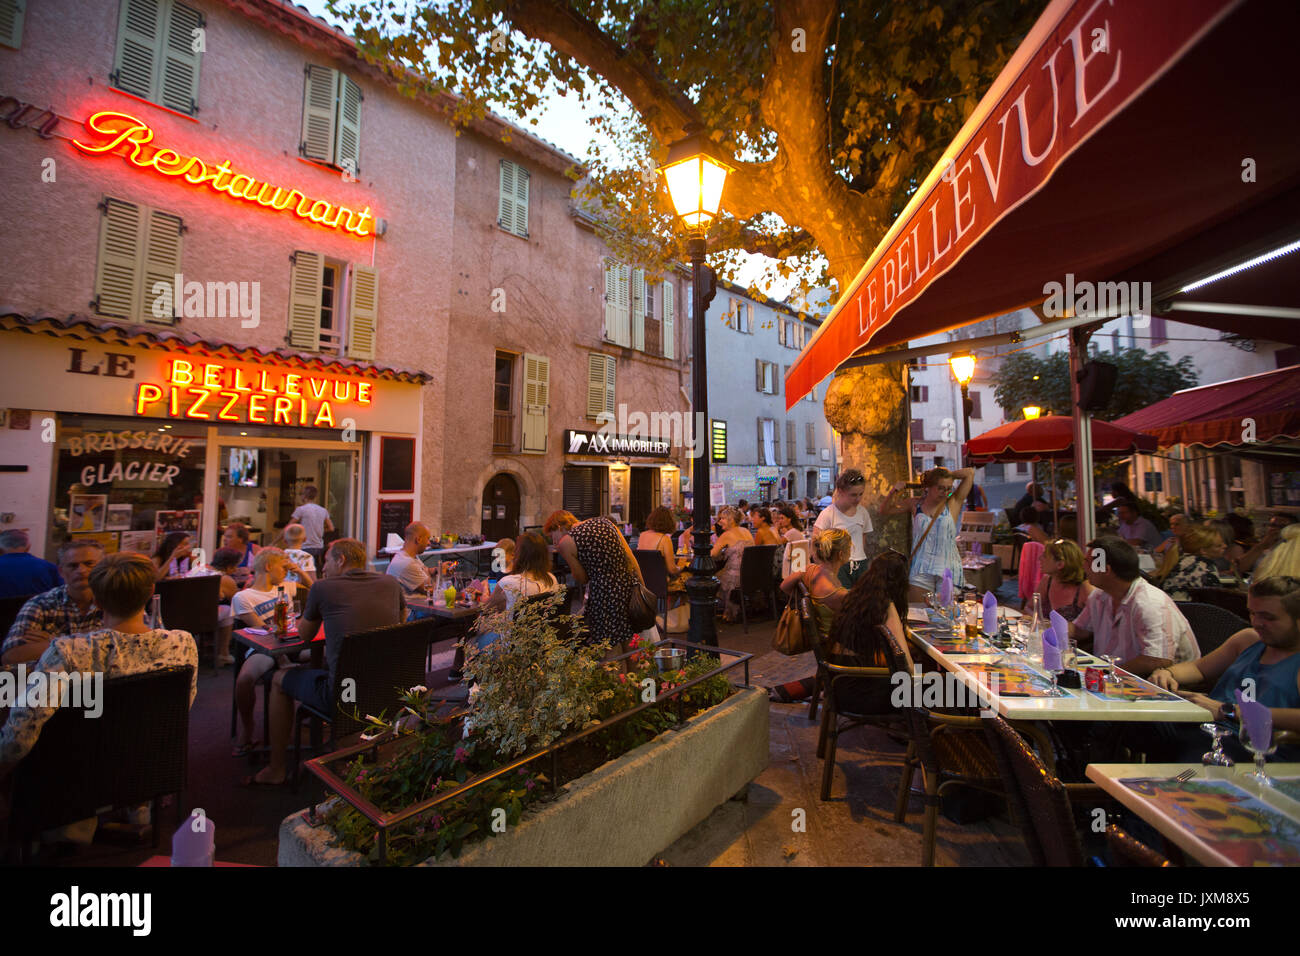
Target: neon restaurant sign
{"x":124,"y":130}
{"x":215,"y":392}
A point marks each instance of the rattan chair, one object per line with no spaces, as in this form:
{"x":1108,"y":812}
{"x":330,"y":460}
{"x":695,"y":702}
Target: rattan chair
{"x":1230,"y":599}
{"x":194,"y":605}
{"x":756,"y":577}
{"x":654,"y":569}
{"x":1127,"y":850}
{"x":1211,"y":625}
{"x":950,"y":752}
{"x":380,"y":664}
{"x":135,"y":750}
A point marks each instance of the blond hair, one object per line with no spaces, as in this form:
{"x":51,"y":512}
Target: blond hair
{"x":263,"y":559}
{"x":1284,"y":559}
{"x":294,"y":534}
{"x":831,"y":544}
{"x":1199,"y":537}
{"x":1071,"y":557}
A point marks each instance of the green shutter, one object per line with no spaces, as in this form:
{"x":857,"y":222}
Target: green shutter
{"x":669,"y":327}
{"x":347,"y":143}
{"x":623,"y":305}
{"x":139,"y":30}
{"x":638,"y":309}
{"x":11,"y":23}
{"x":363,"y":312}
{"x":521,"y":201}
{"x":179,"y":89}
{"x":537,"y":398}
{"x":319,"y":95}
{"x":611,"y":300}
{"x":595,"y":384}
{"x":611,"y":375}
{"x":506,"y":197}
{"x":161,"y":261}
{"x":304,"y":300}
{"x":117,"y":273}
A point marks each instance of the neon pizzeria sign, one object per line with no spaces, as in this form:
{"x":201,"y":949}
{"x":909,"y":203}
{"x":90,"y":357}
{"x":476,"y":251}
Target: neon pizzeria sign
{"x":124,"y":130}
{"x":213,"y":391}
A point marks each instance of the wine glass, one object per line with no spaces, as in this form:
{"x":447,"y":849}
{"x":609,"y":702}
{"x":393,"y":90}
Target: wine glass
{"x":1216,"y":756}
{"x":1261,"y":749}
{"x":1112,"y":676}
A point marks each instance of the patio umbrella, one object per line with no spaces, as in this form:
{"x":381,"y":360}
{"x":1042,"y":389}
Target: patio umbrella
{"x":1051,"y":438}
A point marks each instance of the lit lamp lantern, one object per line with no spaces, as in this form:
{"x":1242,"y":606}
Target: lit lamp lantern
{"x":695,"y":177}
{"x":1032,"y":412}
{"x":963,"y":370}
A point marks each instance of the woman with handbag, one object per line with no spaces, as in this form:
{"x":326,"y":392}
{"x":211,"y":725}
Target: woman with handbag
{"x":934,"y":530}
{"x":601,"y":560}
{"x":830,"y":552}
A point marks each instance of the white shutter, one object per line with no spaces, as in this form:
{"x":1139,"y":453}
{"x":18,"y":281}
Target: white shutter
{"x":179,"y":89}
{"x":363,"y":312}
{"x":669,"y":327}
{"x":138,"y":33}
{"x":749,"y":317}
{"x":521,"y":201}
{"x":304,"y":300}
{"x":506,"y":197}
{"x":601,"y":371}
{"x":347,"y":133}
{"x":789,"y":442}
{"x":623,"y":303}
{"x":780,"y":329}
{"x":320,"y":95}
{"x":758,"y":375}
{"x":611,"y":301}
{"x":537,"y":398}
{"x":117,"y":273}
{"x":11,"y":23}
{"x":161,"y":260}
{"x":638,"y":309}
{"x":611,"y":374}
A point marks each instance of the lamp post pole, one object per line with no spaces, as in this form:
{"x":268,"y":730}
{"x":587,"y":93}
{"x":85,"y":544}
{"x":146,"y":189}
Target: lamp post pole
{"x":965,"y":417}
{"x":702,"y":586}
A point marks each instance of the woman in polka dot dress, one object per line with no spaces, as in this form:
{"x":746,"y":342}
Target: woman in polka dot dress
{"x":601,"y":559}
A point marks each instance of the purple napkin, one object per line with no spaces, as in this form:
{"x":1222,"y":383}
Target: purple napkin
{"x":1062,"y":628}
{"x":1051,"y":651}
{"x":1258,"y":721}
{"x":945,"y":588}
{"x":990,"y":613}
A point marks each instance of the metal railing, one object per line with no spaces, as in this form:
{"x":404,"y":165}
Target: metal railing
{"x":503,"y":431}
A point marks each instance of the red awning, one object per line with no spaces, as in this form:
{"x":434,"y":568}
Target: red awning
{"x":1051,"y":438}
{"x":1242,"y":411}
{"x":1119,"y":133}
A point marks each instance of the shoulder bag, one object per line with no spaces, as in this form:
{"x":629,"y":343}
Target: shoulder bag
{"x":789,"y":638}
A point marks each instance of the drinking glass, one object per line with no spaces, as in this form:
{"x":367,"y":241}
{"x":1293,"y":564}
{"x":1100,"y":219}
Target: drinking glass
{"x":1216,"y":756}
{"x":1261,"y":749}
{"x":1111,"y":660}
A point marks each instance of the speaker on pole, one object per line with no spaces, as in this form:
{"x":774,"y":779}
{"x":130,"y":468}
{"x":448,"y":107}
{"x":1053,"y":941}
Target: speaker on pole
{"x":1096,"y":384}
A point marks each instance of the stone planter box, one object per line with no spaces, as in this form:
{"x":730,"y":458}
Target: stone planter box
{"x":620,"y":814}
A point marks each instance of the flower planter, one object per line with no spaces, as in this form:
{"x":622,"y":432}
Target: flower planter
{"x":620,"y":814}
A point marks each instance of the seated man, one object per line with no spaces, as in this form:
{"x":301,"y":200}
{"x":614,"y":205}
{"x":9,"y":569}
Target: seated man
{"x":406,"y":565}
{"x":1126,"y":617}
{"x":21,"y":572}
{"x":348,"y":599}
{"x":1135,"y":529}
{"x":122,"y":585}
{"x":1262,"y":661}
{"x":67,"y":609}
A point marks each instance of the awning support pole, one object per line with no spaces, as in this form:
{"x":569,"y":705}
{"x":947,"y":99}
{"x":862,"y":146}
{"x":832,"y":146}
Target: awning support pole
{"x":1082,"y":439}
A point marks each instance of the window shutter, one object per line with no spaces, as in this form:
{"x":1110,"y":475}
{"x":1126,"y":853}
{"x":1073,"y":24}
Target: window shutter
{"x":304,"y":300}
{"x":975,"y":411}
{"x":780,"y":329}
{"x":162,"y":260}
{"x":669,"y":327}
{"x":776,"y":442}
{"x":611,"y":301}
{"x":11,"y":23}
{"x":363,"y":312}
{"x":180,"y":63}
{"x":611,"y":375}
{"x":758,"y":374}
{"x":347,"y":134}
{"x":638,"y":309}
{"x":117,"y":276}
{"x":810,"y":434}
{"x":595,"y":385}
{"x":749,"y":317}
{"x":521,"y":201}
{"x":623,"y":300}
{"x":506,"y":197}
{"x":789,"y":442}
{"x":138,"y":30}
{"x":762,"y":457}
{"x":537,"y":399}
{"x":318,"y":113}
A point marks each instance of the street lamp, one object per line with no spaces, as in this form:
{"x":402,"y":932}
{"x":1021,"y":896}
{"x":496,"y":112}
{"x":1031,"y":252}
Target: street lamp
{"x":695,"y":176}
{"x":963,"y":370}
{"x":1032,"y":412}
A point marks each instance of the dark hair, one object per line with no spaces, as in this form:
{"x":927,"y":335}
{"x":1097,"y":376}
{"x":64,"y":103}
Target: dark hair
{"x":1125,"y":503}
{"x":241,"y":531}
{"x":1281,"y":586}
{"x":791,"y":515}
{"x":661,"y":520}
{"x":310,"y":492}
{"x":848,"y":479}
{"x":743,"y":505}
{"x":531,"y":555}
{"x":226,"y":558}
{"x":866,"y":607}
{"x":1288,"y":518}
{"x":123,"y":583}
{"x":1121,"y":557}
{"x":1243,"y":529}
{"x":1067,"y":526}
{"x":934,"y":476}
{"x":1029,"y":515}
{"x":170,"y":542}
{"x":763,"y":513}
{"x":72,"y":544}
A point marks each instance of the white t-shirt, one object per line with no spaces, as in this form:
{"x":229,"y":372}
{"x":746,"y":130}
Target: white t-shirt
{"x":257,"y":608}
{"x":517,"y":586}
{"x":858,"y":525}
{"x":410,"y":572}
{"x":1146,"y":623}
{"x":302,"y":559}
{"x":312,"y":517}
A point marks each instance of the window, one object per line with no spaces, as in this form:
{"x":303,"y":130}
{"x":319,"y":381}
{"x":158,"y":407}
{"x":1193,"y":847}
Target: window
{"x":333,"y":306}
{"x":769,"y":442}
{"x":155,"y":57}
{"x":1159,"y":332}
{"x":812,"y":395}
{"x":331,"y":119}
{"x":512,"y":206}
{"x":810,"y":435}
{"x":765,"y":377}
{"x":918,"y":466}
{"x":938,"y":461}
{"x":975,"y":411}
{"x":790,"y":448}
{"x":918,"y":429}
{"x":139,"y":247}
{"x":503,"y":403}
{"x":1153,"y":481}
{"x":537,"y":399}
{"x":920,"y":393}
{"x":749,"y":319}
{"x":601,"y":378}
{"x":718,"y":442}
{"x":792,"y":332}
{"x":585,"y":490}
{"x":11,"y":23}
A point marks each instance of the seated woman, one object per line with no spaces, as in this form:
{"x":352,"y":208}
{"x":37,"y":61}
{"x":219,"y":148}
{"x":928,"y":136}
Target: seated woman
{"x":530,"y":575}
{"x":830,"y":552}
{"x":172,"y":557}
{"x":789,"y":527}
{"x":658,"y":536}
{"x":760,"y":519}
{"x":1201,"y":546}
{"x":1063,"y":588}
{"x":732,"y":541}
{"x":1031,"y":525}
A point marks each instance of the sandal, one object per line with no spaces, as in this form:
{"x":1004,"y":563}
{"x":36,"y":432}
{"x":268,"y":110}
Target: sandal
{"x":242,"y":750}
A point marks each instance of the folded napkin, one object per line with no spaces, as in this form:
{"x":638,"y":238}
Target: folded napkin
{"x":1062,"y":628}
{"x":990,"y":613}
{"x":1258,"y":721}
{"x":945,"y":588}
{"x":1051,"y":651}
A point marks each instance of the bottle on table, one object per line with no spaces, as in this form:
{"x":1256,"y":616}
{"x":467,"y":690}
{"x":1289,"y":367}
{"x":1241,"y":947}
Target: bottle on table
{"x":281,"y":611}
{"x":155,"y":613}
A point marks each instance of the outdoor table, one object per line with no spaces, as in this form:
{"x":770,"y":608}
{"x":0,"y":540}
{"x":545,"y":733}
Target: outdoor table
{"x":1221,"y":816}
{"x":273,"y":646}
{"x":438,"y":608}
{"x":465,"y":552}
{"x":982,"y":571}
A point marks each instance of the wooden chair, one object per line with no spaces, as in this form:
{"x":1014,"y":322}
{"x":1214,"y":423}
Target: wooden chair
{"x":837,"y":680}
{"x":1127,"y":850}
{"x":756,"y":578}
{"x":192,"y":604}
{"x":135,"y":751}
{"x":1210,"y":624}
{"x":655,"y":571}
{"x":380,"y":664}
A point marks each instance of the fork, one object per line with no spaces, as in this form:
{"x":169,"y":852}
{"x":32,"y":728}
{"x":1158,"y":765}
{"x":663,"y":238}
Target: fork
{"x":1186,"y":775}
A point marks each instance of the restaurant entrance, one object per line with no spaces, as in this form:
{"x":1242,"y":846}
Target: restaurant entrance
{"x":642,"y":495}
{"x":501,"y":508}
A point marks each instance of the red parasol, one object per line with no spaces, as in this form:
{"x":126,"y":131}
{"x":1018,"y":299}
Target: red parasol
{"x":1051,"y":438}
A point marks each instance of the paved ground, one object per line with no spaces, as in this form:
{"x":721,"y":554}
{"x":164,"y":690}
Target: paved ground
{"x":855,"y":827}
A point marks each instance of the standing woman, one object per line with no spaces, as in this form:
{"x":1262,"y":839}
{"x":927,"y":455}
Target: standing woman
{"x":1064,"y":588}
{"x":732,"y":541}
{"x":600,"y":559}
{"x":934,"y":530}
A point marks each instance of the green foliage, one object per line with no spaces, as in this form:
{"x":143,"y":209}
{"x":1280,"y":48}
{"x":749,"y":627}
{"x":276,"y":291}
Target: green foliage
{"x":1144,"y":378}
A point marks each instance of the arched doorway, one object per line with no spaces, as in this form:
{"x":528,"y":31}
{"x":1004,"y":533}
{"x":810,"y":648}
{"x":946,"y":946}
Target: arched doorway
{"x":501,"y":507}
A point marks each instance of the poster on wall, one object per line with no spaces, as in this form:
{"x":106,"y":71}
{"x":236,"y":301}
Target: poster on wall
{"x":165,"y":522}
{"x":717,"y":494}
{"x":119,"y":518}
{"x":86,"y":513}
{"x":141,"y":542}
{"x":106,"y":539}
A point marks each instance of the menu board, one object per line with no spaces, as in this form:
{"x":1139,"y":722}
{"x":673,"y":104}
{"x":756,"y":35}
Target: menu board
{"x":394,"y":515}
{"x":396,"y":465}
{"x":1284,"y":488}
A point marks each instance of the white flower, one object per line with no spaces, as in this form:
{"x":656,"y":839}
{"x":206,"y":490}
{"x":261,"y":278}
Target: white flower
{"x":418,"y":689}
